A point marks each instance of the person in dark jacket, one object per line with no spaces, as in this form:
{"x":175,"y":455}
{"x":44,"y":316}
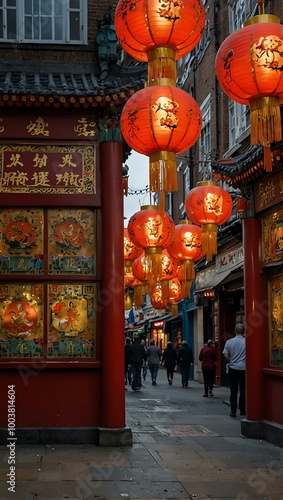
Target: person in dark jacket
{"x":185,"y":360}
{"x":169,"y":359}
{"x":137,"y":356}
{"x":208,"y":357}
{"x":128,"y":375}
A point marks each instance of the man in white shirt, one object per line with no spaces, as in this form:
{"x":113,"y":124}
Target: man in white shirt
{"x":235,"y":354}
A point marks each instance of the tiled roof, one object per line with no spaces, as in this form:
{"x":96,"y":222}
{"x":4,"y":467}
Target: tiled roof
{"x":67,"y":80}
{"x":241,"y":169}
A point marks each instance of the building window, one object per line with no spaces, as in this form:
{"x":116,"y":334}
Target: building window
{"x":43,"y":21}
{"x":239,"y":121}
{"x":239,"y":114}
{"x":239,"y":11}
{"x":205,"y":140}
{"x":187,"y":180}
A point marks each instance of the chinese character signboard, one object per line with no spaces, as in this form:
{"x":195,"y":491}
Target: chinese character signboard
{"x":48,"y":169}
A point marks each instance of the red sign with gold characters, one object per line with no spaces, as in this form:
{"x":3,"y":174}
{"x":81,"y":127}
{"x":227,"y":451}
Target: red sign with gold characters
{"x":47,"y":169}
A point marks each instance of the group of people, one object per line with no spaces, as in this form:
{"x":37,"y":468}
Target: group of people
{"x":138,"y":358}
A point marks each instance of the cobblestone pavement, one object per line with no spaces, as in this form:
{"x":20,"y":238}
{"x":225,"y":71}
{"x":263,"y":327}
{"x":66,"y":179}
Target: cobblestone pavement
{"x":184,"y":447}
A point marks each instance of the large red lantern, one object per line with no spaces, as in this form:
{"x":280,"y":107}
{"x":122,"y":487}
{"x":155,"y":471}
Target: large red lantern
{"x":249,"y":67}
{"x":153,"y":231}
{"x":209,"y":206}
{"x":161,"y":122}
{"x":187,"y":248}
{"x":131,"y":251}
{"x":147,"y":24}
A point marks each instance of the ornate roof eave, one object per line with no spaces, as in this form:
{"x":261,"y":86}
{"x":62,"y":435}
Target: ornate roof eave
{"x":61,"y":86}
{"x":245,"y":168}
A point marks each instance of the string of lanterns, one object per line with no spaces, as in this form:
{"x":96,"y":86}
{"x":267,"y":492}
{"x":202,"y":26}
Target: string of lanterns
{"x":161,"y":121}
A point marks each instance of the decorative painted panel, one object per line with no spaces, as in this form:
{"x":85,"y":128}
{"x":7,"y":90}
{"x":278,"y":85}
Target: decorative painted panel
{"x":21,"y":319}
{"x":71,"y":241}
{"x":272,"y":237}
{"x":72,"y":320}
{"x":49,"y":169}
{"x":276,"y":321}
{"x":21,"y":241}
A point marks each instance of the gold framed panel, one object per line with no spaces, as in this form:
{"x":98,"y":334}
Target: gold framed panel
{"x":272,"y":237}
{"x":48,"y":169}
{"x":21,"y":318}
{"x":21,"y":241}
{"x":275,"y":291}
{"x":71,"y":241}
{"x":72,"y":320}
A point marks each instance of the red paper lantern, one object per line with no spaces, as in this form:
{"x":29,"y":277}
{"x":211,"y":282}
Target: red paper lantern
{"x":132,"y":282}
{"x":139,"y":270}
{"x":146,"y":24}
{"x":157,"y":300}
{"x":170,"y":267}
{"x":153,"y":231}
{"x":209,"y":206}
{"x":187,"y":248}
{"x":175,"y":295}
{"x":131,"y":251}
{"x":160,"y":122}
{"x":249,"y":68}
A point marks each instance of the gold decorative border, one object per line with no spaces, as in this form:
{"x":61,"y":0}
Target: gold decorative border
{"x":87,"y":183}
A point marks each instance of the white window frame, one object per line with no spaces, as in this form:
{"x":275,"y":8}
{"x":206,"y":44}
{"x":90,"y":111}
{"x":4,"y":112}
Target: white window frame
{"x":21,"y":18}
{"x":187,"y":180}
{"x":205,"y":139}
{"x":239,"y":121}
{"x":239,"y":11}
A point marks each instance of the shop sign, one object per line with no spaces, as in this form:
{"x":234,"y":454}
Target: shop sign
{"x":227,"y":261}
{"x":158,"y":324}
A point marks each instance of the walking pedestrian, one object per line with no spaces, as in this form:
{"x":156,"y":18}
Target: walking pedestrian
{"x":235,"y":354}
{"x":144,"y":366}
{"x":169,"y":359}
{"x":127,"y":363}
{"x":185,"y":360}
{"x":208,"y":357}
{"x":137,"y":356}
{"x":154,"y":354}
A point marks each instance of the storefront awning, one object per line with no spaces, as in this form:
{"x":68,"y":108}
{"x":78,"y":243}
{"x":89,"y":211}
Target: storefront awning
{"x":211,"y":281}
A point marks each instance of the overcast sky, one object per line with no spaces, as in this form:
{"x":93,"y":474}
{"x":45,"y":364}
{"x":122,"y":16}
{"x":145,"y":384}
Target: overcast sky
{"x":138,"y":180}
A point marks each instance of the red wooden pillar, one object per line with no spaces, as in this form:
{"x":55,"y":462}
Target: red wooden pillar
{"x":256,"y":314}
{"x":111,"y":296}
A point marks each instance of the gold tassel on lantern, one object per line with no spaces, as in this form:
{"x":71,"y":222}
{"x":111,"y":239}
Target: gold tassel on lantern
{"x":162,"y":172}
{"x":138,"y":296}
{"x":165,"y":289}
{"x":209,"y":240}
{"x":266,"y":125}
{"x":174,"y":309}
{"x":162,"y":68}
{"x":153,"y":264}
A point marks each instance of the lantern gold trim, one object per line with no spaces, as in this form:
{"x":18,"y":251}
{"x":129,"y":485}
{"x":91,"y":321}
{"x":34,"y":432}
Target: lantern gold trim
{"x":162,"y":171}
